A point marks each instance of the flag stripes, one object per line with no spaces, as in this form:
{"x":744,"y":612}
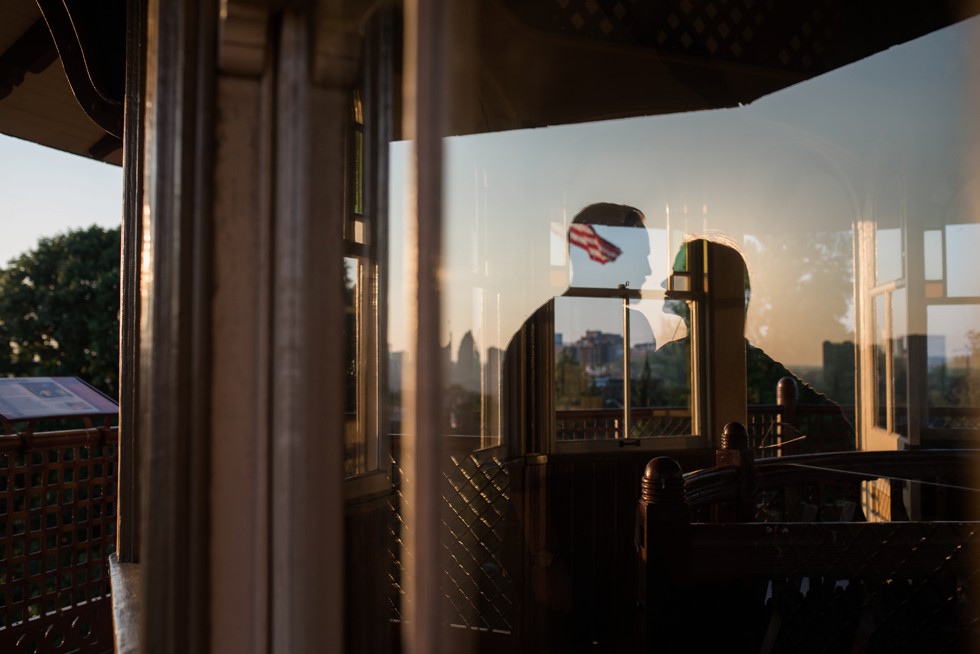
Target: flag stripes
{"x":599,"y":249}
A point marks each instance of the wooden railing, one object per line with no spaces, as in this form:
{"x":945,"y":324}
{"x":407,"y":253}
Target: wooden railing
{"x":826,"y":427}
{"x":57,"y":530}
{"x":717,"y":548}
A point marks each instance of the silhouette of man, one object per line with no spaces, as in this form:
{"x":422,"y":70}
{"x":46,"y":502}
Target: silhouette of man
{"x":763,"y":373}
{"x":595,"y":262}
{"x":614,"y":254}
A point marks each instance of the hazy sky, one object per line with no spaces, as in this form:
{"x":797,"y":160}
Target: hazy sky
{"x":820,"y":154}
{"x":47,"y":192}
{"x":885,"y":141}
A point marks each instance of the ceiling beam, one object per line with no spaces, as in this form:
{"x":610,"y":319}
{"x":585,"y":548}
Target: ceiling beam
{"x":86,"y":35}
{"x":104,"y":147}
{"x":33,"y":52}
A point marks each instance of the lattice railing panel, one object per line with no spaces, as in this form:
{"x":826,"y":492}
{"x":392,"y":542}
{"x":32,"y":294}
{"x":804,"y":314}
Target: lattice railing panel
{"x":909,"y":588}
{"x":670,"y":424}
{"x":57,"y":530}
{"x":398,"y":534}
{"x":954,"y":418}
{"x":478,"y":588}
{"x":604,"y":424}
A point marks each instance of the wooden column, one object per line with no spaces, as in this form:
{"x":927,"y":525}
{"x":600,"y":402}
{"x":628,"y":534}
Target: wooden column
{"x":724,"y":328}
{"x":240,"y":422}
{"x":174,"y":359}
{"x":127,"y":540}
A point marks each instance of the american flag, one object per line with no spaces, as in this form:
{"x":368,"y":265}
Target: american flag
{"x":599,"y":249}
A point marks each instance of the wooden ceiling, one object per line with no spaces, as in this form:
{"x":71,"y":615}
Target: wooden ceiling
{"x":550,"y":62}
{"x":542,"y":62}
{"x":37,"y":102}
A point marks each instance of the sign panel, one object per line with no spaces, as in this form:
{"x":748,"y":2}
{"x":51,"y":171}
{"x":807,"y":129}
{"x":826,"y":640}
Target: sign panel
{"x":30,"y":398}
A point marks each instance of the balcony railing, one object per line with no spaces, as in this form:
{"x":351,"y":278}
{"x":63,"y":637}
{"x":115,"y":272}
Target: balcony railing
{"x":57,"y":530}
{"x":780,"y":556}
{"x":826,"y":427}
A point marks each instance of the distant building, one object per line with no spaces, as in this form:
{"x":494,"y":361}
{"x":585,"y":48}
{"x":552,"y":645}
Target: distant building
{"x":838,"y":372}
{"x":598,"y":350}
{"x":395,"y":360}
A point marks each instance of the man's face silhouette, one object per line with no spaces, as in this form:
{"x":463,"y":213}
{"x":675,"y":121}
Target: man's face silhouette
{"x":681,"y":281}
{"x":631,"y":267}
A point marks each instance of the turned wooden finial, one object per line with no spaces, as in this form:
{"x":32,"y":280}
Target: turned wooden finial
{"x":662,"y":481}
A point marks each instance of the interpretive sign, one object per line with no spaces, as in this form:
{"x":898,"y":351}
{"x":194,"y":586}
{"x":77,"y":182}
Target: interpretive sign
{"x":31,"y":398}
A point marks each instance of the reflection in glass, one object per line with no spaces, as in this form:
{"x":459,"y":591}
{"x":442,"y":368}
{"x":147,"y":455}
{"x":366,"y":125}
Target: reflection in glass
{"x":472,"y":398}
{"x":891,"y":361}
{"x":786,"y":178}
{"x":801,"y":309}
{"x":900,"y":361}
{"x":834,"y":190}
{"x":953,"y":350}
{"x":889,"y":254}
{"x":639,"y":263}
{"x":882,"y":362}
{"x":360,"y":376}
{"x":932,"y":245}
{"x":962,"y":262}
{"x":589,"y":360}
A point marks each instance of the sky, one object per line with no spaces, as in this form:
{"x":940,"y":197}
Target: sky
{"x":737,"y":172}
{"x":47,"y":192}
{"x":886,"y":141}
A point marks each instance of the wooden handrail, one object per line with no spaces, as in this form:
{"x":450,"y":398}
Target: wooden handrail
{"x":62,"y":438}
{"x":774,"y":585}
{"x":714,"y":484}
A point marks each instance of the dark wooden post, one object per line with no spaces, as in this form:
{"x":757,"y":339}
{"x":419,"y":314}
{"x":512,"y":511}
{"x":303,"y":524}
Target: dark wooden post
{"x":732,"y":602}
{"x":663,"y":540}
{"x":787,"y":395}
{"x":735,"y":451}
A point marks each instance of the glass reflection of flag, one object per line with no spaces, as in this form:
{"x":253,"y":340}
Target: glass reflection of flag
{"x":599,"y":249}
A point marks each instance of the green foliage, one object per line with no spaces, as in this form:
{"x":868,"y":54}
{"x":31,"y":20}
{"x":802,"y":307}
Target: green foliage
{"x":573,"y":387}
{"x":956,"y":382}
{"x":59,"y":309}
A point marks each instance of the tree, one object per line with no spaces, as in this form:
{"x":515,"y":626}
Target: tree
{"x":59,"y":309}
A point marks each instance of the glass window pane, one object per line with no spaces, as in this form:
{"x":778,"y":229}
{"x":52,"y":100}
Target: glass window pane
{"x":962,"y":262}
{"x":932,"y":245}
{"x":801,"y":311}
{"x":889,"y":253}
{"x":881,"y":362}
{"x":954,"y":364}
{"x":770,"y":177}
{"x":891,"y":361}
{"x":360,"y":367}
{"x":660,"y":369}
{"x":900,"y":361}
{"x":639,"y":257}
{"x":588,"y":353}
{"x":589,"y":361}
{"x":353,"y":442}
{"x":831,"y":190}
